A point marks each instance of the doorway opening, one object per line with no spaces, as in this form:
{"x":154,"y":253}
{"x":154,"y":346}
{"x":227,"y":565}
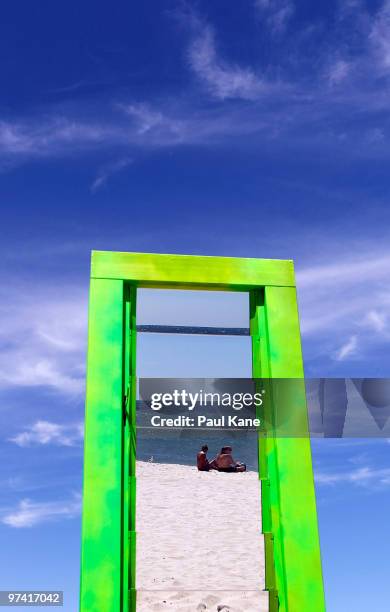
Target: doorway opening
{"x":199,"y":540}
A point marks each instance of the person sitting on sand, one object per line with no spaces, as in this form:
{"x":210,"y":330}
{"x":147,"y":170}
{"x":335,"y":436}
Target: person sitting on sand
{"x":201,"y":459}
{"x":225,"y":463}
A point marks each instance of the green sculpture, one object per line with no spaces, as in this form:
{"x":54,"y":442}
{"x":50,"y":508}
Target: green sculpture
{"x":293,"y":562}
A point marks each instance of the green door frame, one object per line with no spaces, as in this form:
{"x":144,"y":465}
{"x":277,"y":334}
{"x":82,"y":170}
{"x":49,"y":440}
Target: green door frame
{"x":289,"y":516}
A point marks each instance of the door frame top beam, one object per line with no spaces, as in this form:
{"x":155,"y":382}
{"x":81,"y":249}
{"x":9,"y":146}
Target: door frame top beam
{"x":151,"y":270}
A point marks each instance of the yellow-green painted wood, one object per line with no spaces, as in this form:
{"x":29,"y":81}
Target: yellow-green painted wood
{"x":192,"y":271}
{"x":126,"y":442}
{"x":131,"y":468}
{"x":293,"y":565}
{"x":103,"y":499}
{"x":290,"y":501}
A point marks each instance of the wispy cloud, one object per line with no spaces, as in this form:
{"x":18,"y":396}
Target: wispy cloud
{"x":266,"y":100}
{"x":43,"y":338}
{"x":364,"y":476}
{"x":158,"y":127}
{"x":132,"y":127}
{"x":336,"y":305}
{"x":352,"y":271}
{"x":148,"y":118}
{"x":378,"y":321}
{"x":277,"y":13}
{"x":222,"y":79}
{"x":44,"y":433}
{"x":108,"y":170}
{"x":29,"y":513}
{"x":338,"y":72}
{"x":335,"y":294}
{"x":347,"y":349}
{"x":365,"y":42}
{"x":47,"y":135}
{"x":380,"y":36}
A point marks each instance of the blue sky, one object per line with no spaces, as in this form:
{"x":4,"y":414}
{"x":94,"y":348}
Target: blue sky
{"x":257,"y":129}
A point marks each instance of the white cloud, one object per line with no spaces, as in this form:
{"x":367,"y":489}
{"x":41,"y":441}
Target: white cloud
{"x":274,"y":107}
{"x":347,"y":349}
{"x":179,"y":125}
{"x":338,"y":72}
{"x":133,"y":127}
{"x":350,"y":272}
{"x":107,"y":171}
{"x":345,"y":304}
{"x":43,"y":338}
{"x":43,"y":373}
{"x":334,"y":296}
{"x":46,"y":136}
{"x":222,"y":79}
{"x":277,"y":13}
{"x":157,"y":127}
{"x":376,"y":320}
{"x":364,"y":476}
{"x":380,"y":35}
{"x":147,"y":118}
{"x":44,"y":432}
{"x":29,"y":513}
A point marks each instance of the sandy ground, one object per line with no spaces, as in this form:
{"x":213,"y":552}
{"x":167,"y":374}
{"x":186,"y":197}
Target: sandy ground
{"x":199,"y":541}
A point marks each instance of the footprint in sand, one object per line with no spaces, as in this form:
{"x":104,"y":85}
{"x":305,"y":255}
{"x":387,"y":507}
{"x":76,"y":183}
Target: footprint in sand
{"x":201,"y":607}
{"x":223,"y":608}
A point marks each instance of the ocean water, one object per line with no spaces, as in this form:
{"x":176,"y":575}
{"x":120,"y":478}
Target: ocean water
{"x":181,"y":445}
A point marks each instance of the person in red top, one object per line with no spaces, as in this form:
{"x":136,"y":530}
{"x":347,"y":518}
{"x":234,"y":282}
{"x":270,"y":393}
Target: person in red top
{"x":201,"y":460}
{"x":223,"y":462}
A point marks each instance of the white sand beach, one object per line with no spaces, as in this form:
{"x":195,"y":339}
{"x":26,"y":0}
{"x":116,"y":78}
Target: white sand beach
{"x":199,"y":541}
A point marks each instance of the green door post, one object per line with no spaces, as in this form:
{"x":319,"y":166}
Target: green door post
{"x":293,"y":560}
{"x":107,"y":460}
